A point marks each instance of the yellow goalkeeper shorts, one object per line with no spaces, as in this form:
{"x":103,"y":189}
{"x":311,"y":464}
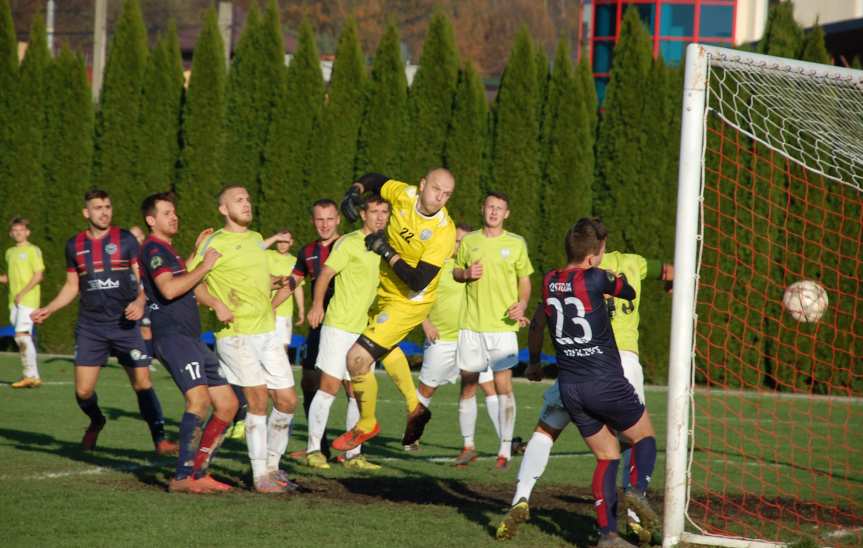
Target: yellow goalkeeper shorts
{"x":392,"y":320}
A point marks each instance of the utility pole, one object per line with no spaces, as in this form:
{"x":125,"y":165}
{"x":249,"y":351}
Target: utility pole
{"x":49,"y":25}
{"x":99,"y":45}
{"x":226,"y":24}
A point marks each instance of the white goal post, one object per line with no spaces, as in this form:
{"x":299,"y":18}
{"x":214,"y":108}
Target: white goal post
{"x":833,"y":151}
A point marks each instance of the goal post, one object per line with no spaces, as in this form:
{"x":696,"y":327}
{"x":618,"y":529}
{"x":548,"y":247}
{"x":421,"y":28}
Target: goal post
{"x":764,"y":412}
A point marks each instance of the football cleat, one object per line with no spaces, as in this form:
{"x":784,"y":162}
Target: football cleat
{"x":518,"y":514}
{"x":317,"y":460}
{"x":281,"y":477}
{"x":27,"y":382}
{"x":518,"y":446}
{"x":268,"y":484}
{"x":88,"y":442}
{"x":167,"y":448}
{"x":502,"y":463}
{"x":354,"y":438}
{"x":647,"y":517}
{"x":237,"y":431}
{"x":213,"y":484}
{"x":634,"y":528}
{"x":189,"y":485}
{"x":412,"y":448}
{"x":613,"y":540}
{"x":467,"y":456}
{"x":416,"y":424}
{"x":361,"y":463}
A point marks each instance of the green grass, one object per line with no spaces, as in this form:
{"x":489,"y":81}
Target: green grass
{"x":52,"y":493}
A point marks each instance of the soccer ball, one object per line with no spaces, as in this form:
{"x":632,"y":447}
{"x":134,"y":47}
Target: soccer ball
{"x":806,"y":300}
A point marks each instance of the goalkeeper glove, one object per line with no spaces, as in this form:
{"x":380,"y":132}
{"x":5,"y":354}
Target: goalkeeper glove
{"x":352,"y":203}
{"x":377,"y":243}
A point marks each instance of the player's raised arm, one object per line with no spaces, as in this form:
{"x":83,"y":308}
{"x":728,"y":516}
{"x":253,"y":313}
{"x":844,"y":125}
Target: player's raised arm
{"x":353,"y":201}
{"x":171,"y":286}
{"x":613,"y":284}
{"x":416,"y":277}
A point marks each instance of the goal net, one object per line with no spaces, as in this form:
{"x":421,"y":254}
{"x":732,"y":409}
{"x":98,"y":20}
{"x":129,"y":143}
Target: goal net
{"x":771,"y":193}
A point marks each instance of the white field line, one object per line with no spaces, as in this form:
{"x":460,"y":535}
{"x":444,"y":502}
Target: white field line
{"x":90,"y":471}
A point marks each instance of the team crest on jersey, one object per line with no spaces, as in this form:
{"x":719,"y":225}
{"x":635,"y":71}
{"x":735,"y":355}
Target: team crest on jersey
{"x":155,"y":262}
{"x":110,"y":249}
{"x":382,"y":317}
{"x":505,"y":252}
{"x":425,"y":234}
{"x":22,"y":256}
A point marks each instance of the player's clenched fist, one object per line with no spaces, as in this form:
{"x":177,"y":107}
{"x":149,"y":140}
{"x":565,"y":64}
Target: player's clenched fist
{"x":473,"y":272}
{"x":210,"y":258}
{"x":376,"y":242}
{"x":315,"y":316}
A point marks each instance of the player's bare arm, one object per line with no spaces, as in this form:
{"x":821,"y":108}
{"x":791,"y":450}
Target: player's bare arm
{"x":171,"y":286}
{"x":431,"y":332}
{"x":469,"y":274}
{"x":35,"y":280}
{"x":517,"y":310}
{"x":66,"y":295}
{"x":135,"y":310}
{"x":199,"y":241}
{"x":277,"y":237}
{"x":316,"y":312}
{"x":300,"y":299}
{"x":4,"y":279}
{"x":535,"y":336}
{"x":290,"y":283}
{"x":204,"y":297}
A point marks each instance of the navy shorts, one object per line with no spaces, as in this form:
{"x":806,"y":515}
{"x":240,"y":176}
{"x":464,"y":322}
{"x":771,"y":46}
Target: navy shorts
{"x":95,"y":342}
{"x":313,"y":343}
{"x":609,"y":401}
{"x":190,"y":362}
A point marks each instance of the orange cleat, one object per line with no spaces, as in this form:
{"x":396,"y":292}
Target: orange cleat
{"x":467,"y":456}
{"x":27,"y":382}
{"x":354,"y":438}
{"x":213,"y":484}
{"x":502,"y":463}
{"x":188,"y":485}
{"x":167,"y":448}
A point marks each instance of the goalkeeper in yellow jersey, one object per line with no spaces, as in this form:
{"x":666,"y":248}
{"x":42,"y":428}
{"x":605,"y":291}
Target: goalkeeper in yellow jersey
{"x":420,"y":236}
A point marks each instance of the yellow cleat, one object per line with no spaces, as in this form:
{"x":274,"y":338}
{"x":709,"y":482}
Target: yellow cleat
{"x":361,"y":463}
{"x":316,"y":460}
{"x":27,"y":382}
{"x":518,"y":514}
{"x":236,"y":431}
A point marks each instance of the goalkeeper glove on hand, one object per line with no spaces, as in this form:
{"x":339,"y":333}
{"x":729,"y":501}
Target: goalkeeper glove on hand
{"x":377,"y":243}
{"x":352,"y":203}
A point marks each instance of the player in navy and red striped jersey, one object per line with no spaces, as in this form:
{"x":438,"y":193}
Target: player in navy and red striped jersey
{"x":102,"y":266}
{"x":597,"y":395}
{"x":176,"y":326}
{"x":310,"y":262}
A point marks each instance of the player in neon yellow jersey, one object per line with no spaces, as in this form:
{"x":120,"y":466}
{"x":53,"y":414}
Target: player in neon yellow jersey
{"x":25,"y":271}
{"x":420,"y":236}
{"x":494,"y":265}
{"x":282,"y":263}
{"x":238,"y":290}
{"x":356,"y":271}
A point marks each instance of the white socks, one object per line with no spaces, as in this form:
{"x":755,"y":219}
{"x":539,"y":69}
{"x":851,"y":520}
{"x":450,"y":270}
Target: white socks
{"x":507,"y":424}
{"x":319,"y":414}
{"x":278,"y":434}
{"x":492,"y":405}
{"x":352,"y":417}
{"x":28,"y":355}
{"x":256,"y":443}
{"x":532,"y":465}
{"x":423,"y":400}
{"x":467,"y":420}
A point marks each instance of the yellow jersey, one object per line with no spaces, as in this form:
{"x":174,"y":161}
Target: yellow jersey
{"x":445,"y":313}
{"x":624,"y":322}
{"x":357,"y":271}
{"x":22,"y":263}
{"x":415,"y":237}
{"x":241,"y":280}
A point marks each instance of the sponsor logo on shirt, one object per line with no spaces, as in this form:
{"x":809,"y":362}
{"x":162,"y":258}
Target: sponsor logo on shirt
{"x":100,"y":285}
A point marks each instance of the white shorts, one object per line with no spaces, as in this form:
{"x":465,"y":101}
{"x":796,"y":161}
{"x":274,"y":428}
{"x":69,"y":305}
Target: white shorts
{"x":439,"y":366}
{"x":555,"y":415}
{"x":255,"y":360}
{"x":19,"y":317}
{"x":284,"y":330}
{"x":479,"y":351}
{"x":333,"y":352}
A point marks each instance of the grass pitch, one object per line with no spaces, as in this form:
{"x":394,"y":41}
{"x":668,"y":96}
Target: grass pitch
{"x":51,"y":493}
